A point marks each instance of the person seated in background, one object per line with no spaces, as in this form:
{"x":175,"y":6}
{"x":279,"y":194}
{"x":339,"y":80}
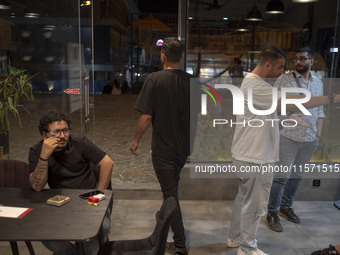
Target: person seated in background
{"x":67,"y":161}
{"x":236,"y":72}
{"x":108,"y":87}
{"x":125,"y":88}
{"x":116,"y":90}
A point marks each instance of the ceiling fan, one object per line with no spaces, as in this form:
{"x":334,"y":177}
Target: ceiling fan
{"x":210,"y":6}
{"x":214,"y":5}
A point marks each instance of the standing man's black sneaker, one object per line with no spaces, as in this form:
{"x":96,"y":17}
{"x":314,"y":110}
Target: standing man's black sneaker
{"x":273,"y":222}
{"x":327,"y":251}
{"x":174,"y":250}
{"x":289,"y":214}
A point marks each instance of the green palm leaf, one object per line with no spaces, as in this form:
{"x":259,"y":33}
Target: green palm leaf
{"x":15,"y":85}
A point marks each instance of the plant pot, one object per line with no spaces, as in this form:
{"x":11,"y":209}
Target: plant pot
{"x":4,"y":142}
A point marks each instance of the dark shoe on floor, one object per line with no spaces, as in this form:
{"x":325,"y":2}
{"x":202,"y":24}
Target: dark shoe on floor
{"x":327,"y":251}
{"x":273,"y":222}
{"x":289,"y":214}
{"x":173,"y":250}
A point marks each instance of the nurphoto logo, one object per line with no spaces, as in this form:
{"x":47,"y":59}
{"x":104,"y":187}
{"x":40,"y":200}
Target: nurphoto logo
{"x":238,"y":104}
{"x":238,"y":100}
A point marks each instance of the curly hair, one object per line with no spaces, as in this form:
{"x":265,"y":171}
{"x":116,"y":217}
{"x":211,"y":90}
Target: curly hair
{"x":50,"y":117}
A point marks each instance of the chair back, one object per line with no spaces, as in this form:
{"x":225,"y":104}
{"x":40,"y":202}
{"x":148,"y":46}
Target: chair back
{"x":14,"y":174}
{"x":160,"y":233}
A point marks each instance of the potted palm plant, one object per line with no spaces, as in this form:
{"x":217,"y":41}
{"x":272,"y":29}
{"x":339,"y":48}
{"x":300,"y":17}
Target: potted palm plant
{"x":15,"y":86}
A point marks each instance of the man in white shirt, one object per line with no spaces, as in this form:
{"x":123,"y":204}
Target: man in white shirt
{"x":248,"y":150}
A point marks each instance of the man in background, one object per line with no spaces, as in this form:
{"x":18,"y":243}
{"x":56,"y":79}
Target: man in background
{"x":236,"y":72}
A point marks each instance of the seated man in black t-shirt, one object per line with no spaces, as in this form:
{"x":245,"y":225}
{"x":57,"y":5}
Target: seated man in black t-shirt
{"x":68,"y":161}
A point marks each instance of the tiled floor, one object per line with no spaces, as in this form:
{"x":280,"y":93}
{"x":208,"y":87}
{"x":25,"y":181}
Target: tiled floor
{"x":207,"y":224}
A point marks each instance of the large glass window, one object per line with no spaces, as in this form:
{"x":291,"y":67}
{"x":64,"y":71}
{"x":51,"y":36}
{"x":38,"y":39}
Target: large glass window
{"x":73,"y":49}
{"x":224,"y":34}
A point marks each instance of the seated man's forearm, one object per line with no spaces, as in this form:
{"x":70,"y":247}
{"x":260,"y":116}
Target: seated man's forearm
{"x":38,"y":178}
{"x":106,"y":165}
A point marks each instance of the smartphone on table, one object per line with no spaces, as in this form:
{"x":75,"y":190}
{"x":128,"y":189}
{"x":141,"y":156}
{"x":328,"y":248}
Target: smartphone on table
{"x":90,"y":194}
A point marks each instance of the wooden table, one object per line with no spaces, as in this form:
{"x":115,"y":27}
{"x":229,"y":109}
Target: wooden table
{"x":75,"y":221}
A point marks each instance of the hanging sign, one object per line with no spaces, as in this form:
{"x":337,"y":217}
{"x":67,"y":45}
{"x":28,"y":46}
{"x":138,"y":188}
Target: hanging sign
{"x":159,"y":42}
{"x":72,"y":91}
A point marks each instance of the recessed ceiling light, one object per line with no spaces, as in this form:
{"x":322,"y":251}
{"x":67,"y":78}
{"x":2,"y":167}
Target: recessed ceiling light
{"x":26,"y":58}
{"x":242,"y":30}
{"x":49,"y":27}
{"x":26,"y":34}
{"x":31,"y":15}
{"x":47,"y":34}
{"x":49,"y":59}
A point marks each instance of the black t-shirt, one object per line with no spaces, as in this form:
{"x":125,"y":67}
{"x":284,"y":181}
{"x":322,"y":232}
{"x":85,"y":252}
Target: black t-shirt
{"x":165,"y":96}
{"x":72,"y":168}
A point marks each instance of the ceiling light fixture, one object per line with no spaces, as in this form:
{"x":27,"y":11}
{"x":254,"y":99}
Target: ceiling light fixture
{"x":275,"y":7}
{"x":49,"y":59}
{"x":304,"y":1}
{"x":31,"y":15}
{"x":49,"y":27}
{"x":242,"y":30}
{"x":225,"y":18}
{"x":26,"y":34}
{"x":254,"y":14}
{"x":4,"y":5}
{"x":26,"y":58}
{"x":86,"y":3}
{"x":47,"y":34}
{"x":306,"y":27}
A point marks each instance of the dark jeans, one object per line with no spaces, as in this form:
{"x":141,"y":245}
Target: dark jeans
{"x":168,"y":169}
{"x":285,"y":185}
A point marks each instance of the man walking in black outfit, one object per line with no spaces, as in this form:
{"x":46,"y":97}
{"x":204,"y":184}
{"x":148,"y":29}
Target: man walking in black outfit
{"x":165,"y":101}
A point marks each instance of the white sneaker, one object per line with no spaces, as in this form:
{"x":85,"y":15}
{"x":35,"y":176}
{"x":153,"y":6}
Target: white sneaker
{"x":231,"y":243}
{"x":254,"y":252}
